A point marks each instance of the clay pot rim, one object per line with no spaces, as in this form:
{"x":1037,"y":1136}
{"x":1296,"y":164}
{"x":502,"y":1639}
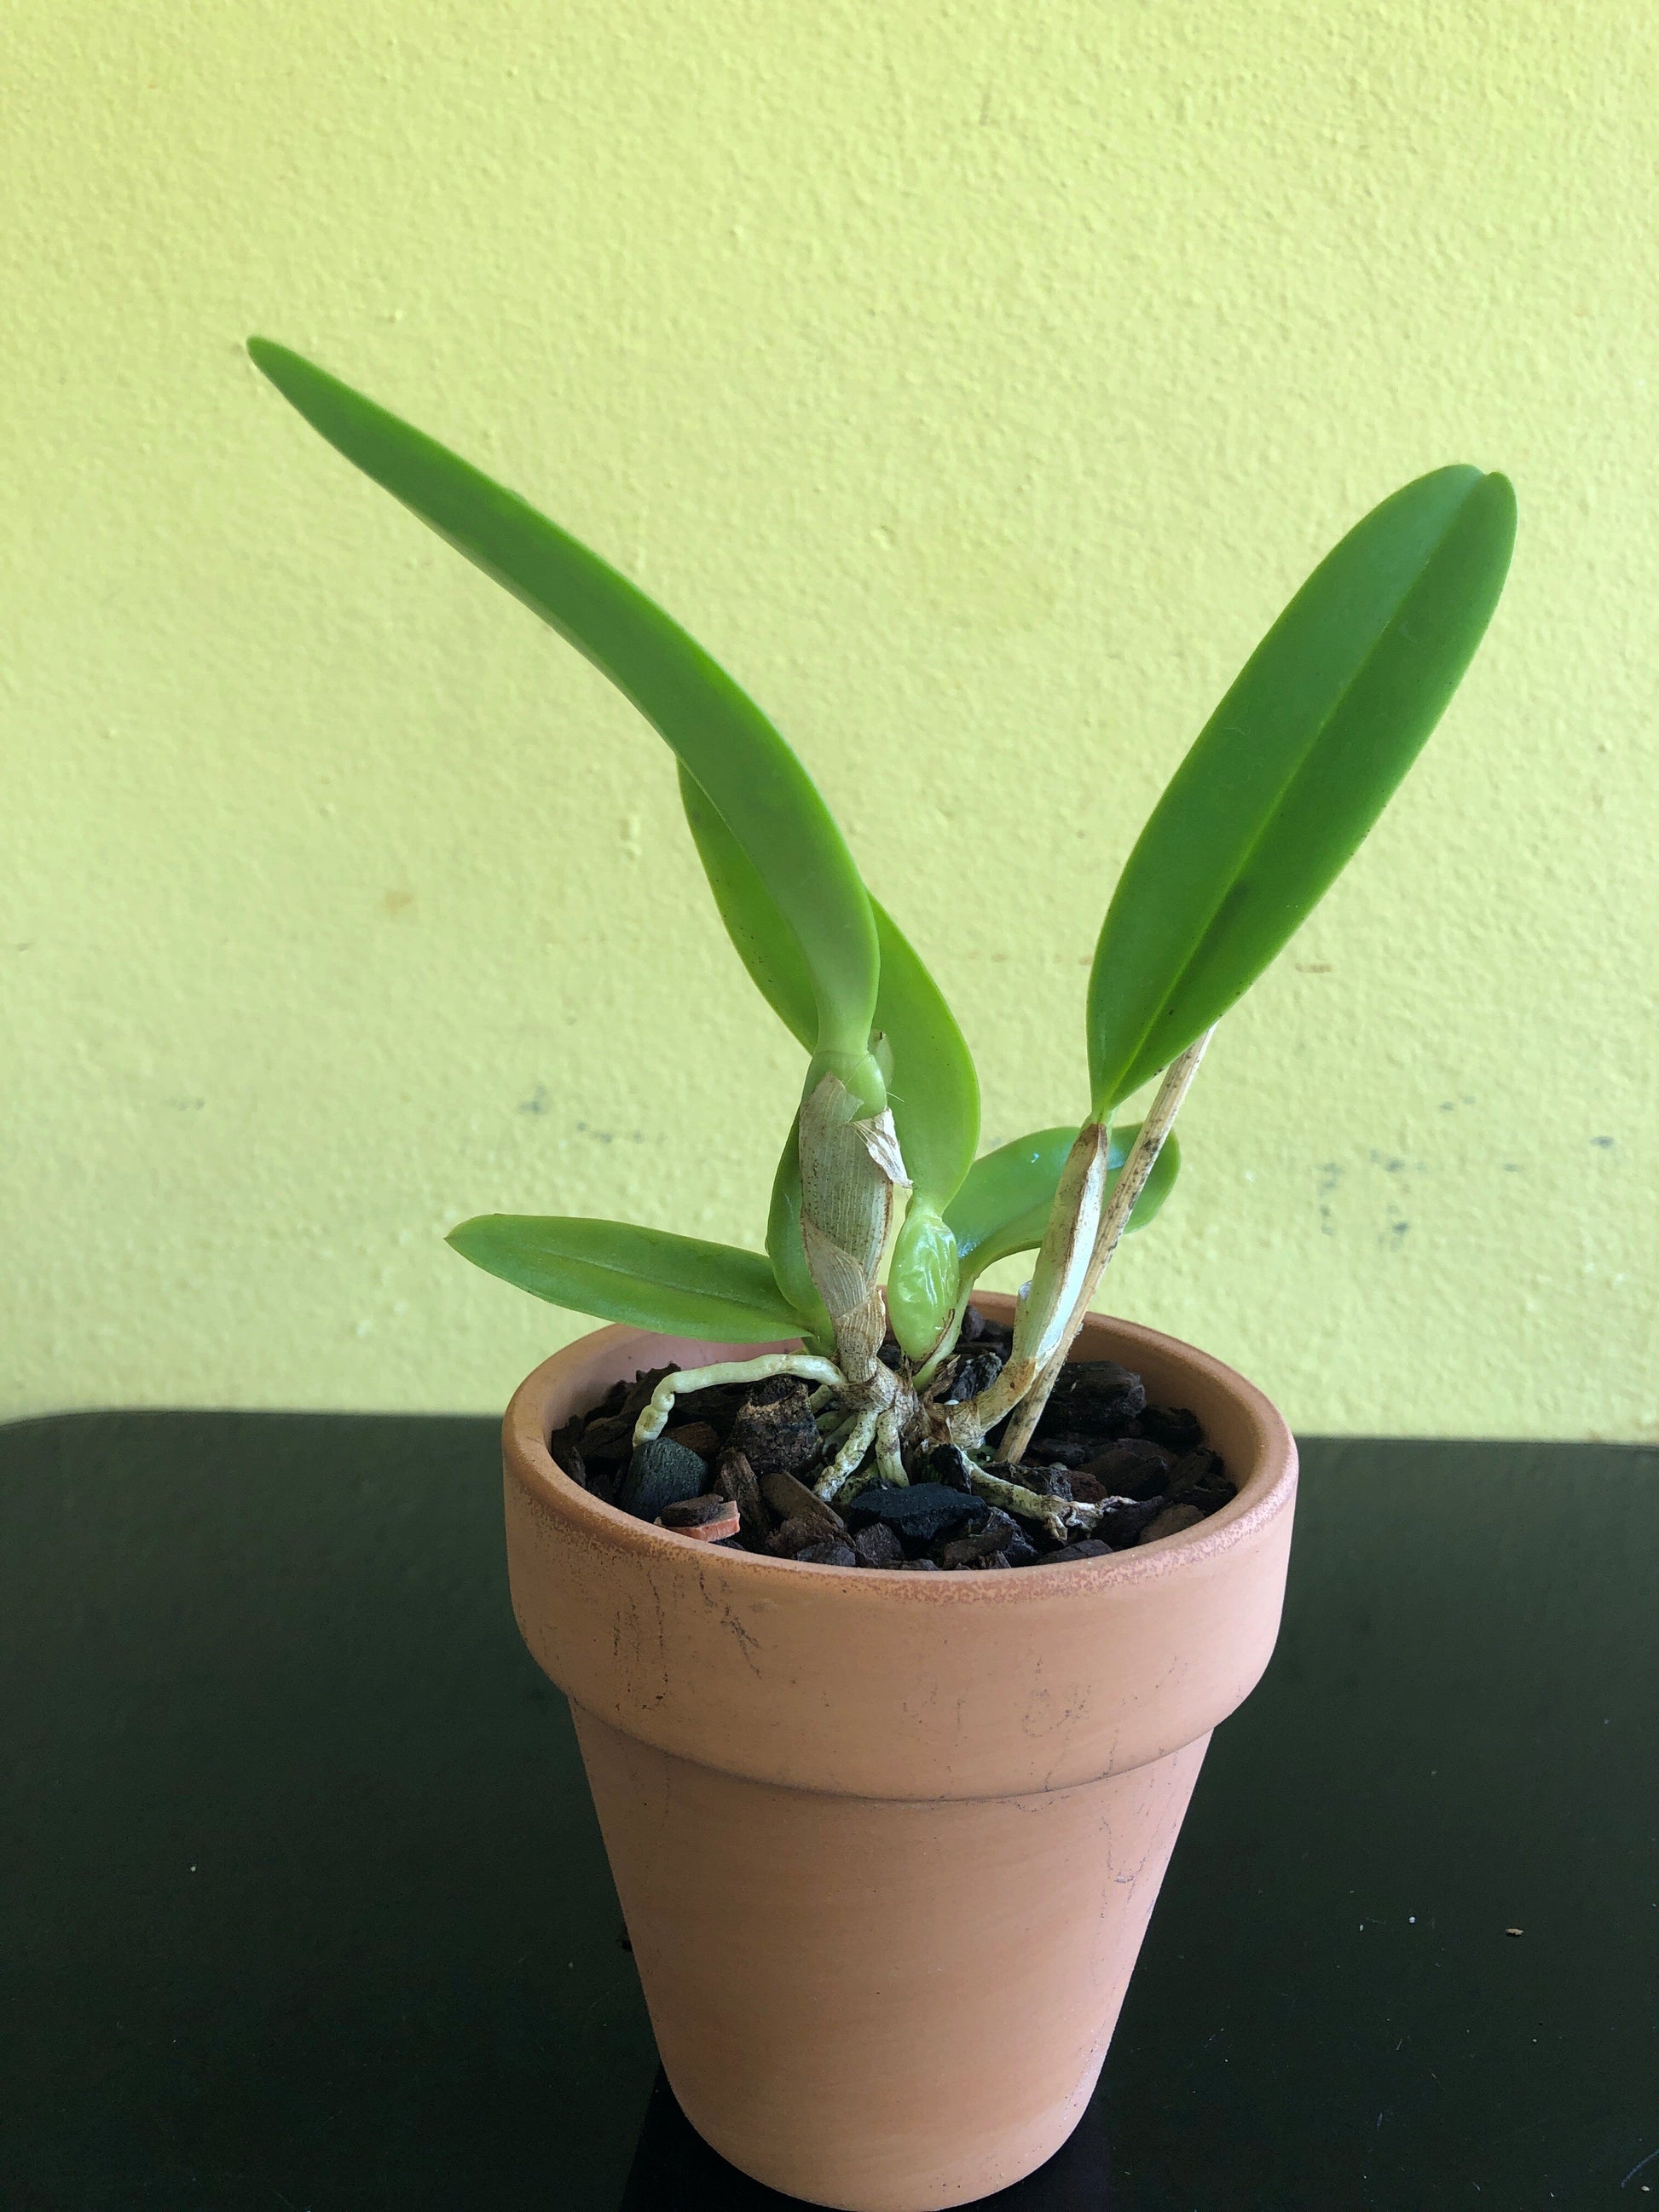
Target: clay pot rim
{"x":1266,"y":1492}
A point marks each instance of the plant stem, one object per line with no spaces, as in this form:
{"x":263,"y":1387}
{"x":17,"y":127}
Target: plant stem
{"x":1047,"y":1303}
{"x":850,"y":1164}
{"x":1143,"y":1158}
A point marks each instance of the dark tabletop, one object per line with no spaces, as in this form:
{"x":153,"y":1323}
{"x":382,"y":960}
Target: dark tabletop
{"x":302,"y":1903}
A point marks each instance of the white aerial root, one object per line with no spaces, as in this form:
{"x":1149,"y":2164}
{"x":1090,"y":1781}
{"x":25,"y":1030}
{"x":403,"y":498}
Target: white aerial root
{"x":654,"y":1420}
{"x":889,"y":1448}
{"x":875,"y":1415}
{"x":834,"y":1429}
{"x":1057,"y":1513}
{"x":851,"y":1453}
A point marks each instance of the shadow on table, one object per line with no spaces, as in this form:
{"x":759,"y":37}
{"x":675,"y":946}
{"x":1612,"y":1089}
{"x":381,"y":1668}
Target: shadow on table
{"x":675,"y":2171}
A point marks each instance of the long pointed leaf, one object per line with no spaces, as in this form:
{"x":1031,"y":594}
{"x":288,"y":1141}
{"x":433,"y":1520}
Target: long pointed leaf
{"x":764,"y":795}
{"x":934,"y":1096}
{"x":1004,"y":1204}
{"x":647,"y":1276}
{"x":1293,"y":768}
{"x":765,"y":943}
{"x":934,"y":1091}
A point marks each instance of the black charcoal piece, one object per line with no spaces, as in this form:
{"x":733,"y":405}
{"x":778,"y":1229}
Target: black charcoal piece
{"x":949,"y":1464}
{"x":920,"y":1515}
{"x":660,"y":1474}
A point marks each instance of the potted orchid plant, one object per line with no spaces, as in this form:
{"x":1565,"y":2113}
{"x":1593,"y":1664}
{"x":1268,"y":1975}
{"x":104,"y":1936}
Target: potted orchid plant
{"x":748,"y":1526}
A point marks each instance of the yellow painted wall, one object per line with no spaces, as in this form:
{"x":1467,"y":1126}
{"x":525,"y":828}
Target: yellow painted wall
{"x":978,"y":381}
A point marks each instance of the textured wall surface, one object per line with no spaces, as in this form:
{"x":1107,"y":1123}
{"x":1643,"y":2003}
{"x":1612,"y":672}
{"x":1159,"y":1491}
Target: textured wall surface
{"x":978,"y":381}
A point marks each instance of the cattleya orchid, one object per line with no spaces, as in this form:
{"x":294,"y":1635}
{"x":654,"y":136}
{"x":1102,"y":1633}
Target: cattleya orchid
{"x":881,"y":1163}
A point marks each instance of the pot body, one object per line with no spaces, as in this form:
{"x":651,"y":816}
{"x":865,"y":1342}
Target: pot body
{"x":887,"y":1843}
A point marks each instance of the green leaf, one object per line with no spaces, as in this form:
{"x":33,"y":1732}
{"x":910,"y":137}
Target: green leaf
{"x":1293,"y":768}
{"x":934,"y":1090}
{"x":931,"y":1085}
{"x":766,"y":797}
{"x":1003,"y":1205}
{"x":647,"y":1276}
{"x":934,"y":1096}
{"x":765,"y":943}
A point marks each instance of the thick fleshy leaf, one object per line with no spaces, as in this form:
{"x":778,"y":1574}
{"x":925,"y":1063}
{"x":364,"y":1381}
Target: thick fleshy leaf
{"x":765,"y":943}
{"x":1004,"y":1204}
{"x":933,"y":1091}
{"x":934,"y":1096}
{"x":764,"y":795}
{"x":1293,"y":768}
{"x":647,"y":1276}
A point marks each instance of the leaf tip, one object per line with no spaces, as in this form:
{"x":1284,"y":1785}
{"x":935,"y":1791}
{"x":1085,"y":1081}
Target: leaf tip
{"x":467,"y":1236}
{"x":1502,"y":492}
{"x":293,"y":376}
{"x":1488,"y":493}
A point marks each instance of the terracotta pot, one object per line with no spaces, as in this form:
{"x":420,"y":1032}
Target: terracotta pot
{"x":887,"y":1843}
